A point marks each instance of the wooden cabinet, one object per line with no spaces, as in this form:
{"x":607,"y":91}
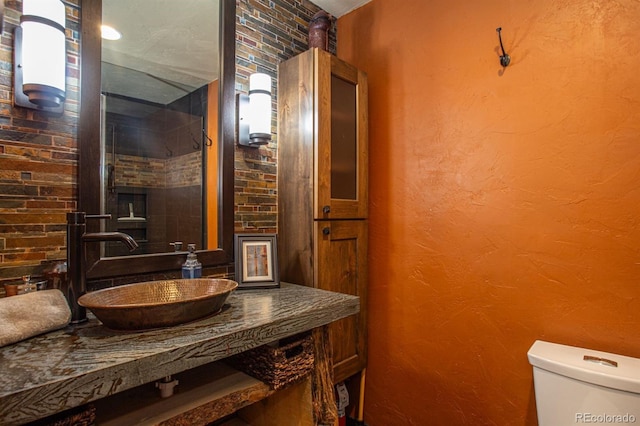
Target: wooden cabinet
{"x":341,"y":255}
{"x":322,"y":188}
{"x":323,"y":136}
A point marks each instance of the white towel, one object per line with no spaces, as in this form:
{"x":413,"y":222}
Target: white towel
{"x":30,"y":314}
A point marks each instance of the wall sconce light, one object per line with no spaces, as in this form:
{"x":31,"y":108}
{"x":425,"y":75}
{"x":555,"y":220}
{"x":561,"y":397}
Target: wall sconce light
{"x":254,"y":112}
{"x":40,"y":56}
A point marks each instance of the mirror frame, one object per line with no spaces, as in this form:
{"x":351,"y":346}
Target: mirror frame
{"x":89,"y":173}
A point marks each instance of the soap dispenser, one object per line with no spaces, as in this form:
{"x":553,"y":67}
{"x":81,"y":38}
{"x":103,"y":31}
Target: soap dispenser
{"x":192,"y":268}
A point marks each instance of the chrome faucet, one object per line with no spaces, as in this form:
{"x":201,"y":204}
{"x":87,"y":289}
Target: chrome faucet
{"x":77,"y":236}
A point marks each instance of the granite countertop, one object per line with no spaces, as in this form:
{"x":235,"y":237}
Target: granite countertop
{"x":78,"y":364}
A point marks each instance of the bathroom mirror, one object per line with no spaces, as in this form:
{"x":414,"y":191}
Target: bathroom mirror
{"x":156,"y":133}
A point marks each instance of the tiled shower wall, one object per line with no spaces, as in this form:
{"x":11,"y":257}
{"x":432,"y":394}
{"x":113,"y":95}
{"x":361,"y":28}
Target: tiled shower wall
{"x":174,"y":172}
{"x":38,"y":153}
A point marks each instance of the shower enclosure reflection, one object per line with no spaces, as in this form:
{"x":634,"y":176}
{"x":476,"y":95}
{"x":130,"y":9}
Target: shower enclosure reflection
{"x":154,"y":179}
{"x":159,"y":123}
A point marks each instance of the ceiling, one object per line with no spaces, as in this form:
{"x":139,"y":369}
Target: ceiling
{"x":338,"y":8}
{"x":169,"y":48}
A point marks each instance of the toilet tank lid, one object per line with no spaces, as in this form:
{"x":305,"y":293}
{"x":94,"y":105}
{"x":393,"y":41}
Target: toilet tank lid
{"x":570,"y":361}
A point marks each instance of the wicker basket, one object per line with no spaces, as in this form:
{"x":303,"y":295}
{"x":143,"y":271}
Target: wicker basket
{"x":278,"y":365}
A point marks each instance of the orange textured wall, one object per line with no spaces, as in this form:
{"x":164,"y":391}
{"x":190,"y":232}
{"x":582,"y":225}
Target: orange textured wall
{"x":212,"y":165}
{"x":505,"y":204}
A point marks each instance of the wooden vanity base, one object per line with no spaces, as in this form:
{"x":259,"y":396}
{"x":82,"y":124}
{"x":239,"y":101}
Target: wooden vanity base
{"x":204,"y":394}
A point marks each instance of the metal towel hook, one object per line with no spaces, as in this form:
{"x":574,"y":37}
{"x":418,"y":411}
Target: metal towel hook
{"x":504,"y":58}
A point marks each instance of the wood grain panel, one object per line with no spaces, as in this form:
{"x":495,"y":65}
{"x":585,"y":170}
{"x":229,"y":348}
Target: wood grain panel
{"x":296,"y":111}
{"x":342,"y":267}
{"x":203,"y":395}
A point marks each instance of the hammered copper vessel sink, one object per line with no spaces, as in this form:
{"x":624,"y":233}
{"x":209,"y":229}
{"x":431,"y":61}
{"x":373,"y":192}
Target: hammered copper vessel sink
{"x":155,"y":304}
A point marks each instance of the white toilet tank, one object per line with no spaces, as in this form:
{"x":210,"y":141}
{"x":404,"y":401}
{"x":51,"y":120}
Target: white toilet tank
{"x":576,"y":386}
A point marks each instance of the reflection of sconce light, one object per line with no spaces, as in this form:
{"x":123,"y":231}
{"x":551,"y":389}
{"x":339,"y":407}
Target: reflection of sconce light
{"x":40,"y":56}
{"x":254,"y":112}
{"x":109,"y":33}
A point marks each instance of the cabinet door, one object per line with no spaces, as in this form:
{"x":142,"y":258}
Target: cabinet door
{"x":342,"y":139}
{"x":341,"y":261}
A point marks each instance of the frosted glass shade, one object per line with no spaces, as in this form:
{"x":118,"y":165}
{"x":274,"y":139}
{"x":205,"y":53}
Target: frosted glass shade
{"x":43,"y":53}
{"x":259,"y":107}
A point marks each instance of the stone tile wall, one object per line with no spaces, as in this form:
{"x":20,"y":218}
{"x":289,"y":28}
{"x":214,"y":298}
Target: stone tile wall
{"x":136,"y":171}
{"x":38,"y":161}
{"x":183,"y":170}
{"x":267,"y":33}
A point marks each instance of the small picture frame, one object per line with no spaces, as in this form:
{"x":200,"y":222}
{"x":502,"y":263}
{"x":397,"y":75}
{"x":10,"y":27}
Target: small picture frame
{"x":256,"y":261}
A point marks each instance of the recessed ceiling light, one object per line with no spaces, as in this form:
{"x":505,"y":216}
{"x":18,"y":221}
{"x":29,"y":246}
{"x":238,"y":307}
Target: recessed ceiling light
{"x":110,"y":33}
